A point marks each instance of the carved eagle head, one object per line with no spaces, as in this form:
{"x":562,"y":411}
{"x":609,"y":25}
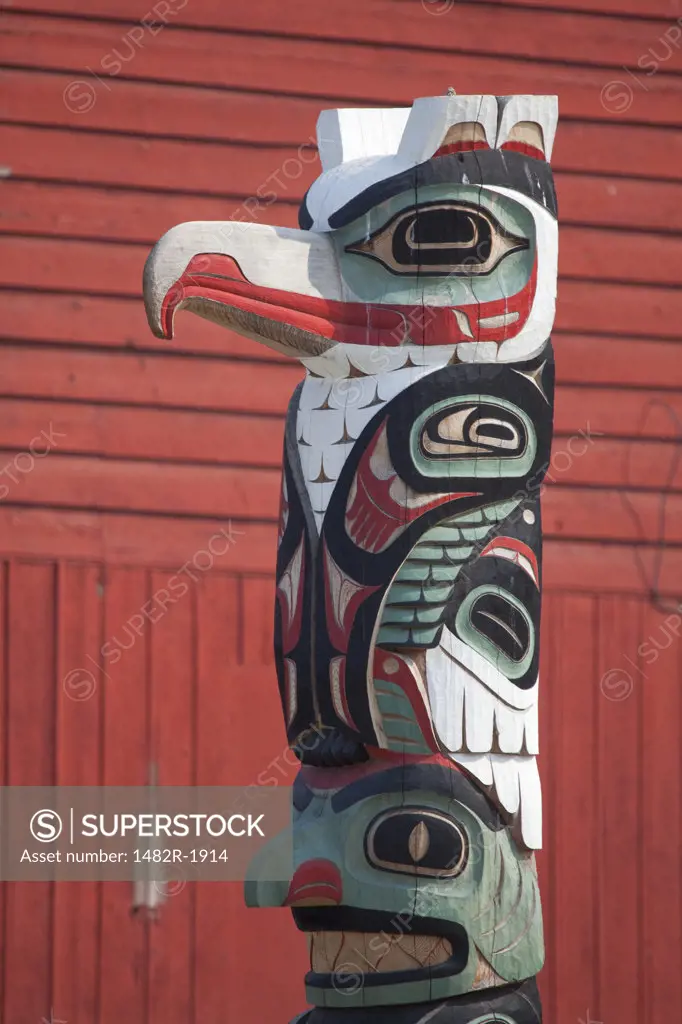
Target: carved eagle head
{"x":430,"y":226}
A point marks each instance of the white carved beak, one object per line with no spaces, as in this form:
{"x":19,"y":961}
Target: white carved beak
{"x":277,"y":285}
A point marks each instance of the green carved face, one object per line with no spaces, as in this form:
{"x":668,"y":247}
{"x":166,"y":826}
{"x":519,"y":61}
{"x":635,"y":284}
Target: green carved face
{"x":480,"y":247}
{"x":408,"y":884}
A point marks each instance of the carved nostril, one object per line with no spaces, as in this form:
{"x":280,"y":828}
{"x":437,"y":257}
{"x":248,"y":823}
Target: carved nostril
{"x":316,"y":883}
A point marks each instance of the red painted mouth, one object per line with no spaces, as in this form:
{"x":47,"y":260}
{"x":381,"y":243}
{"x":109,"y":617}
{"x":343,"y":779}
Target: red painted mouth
{"x":315,"y":883}
{"x":516,"y":552}
{"x":218,"y":278}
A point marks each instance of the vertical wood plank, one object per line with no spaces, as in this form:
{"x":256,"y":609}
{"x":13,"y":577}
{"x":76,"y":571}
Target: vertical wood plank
{"x":173,"y":693}
{"x":30,"y":762}
{"x":231,"y":699}
{"x":4,"y":738}
{"x":258,"y":616}
{"x":574,"y":834}
{"x":218,"y":704}
{"x":619,"y":820}
{"x":546,"y":861}
{"x":75,"y":954}
{"x":661,"y":826}
{"x":218,"y":904}
{"x":126,"y":757}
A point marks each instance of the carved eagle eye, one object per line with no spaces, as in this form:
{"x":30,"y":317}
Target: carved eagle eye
{"x":503,"y":625}
{"x":417,"y":842}
{"x":440,"y":238}
{"x":483,"y":430}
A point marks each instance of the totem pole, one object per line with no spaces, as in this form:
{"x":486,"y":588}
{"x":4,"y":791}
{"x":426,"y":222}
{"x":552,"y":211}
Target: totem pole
{"x":419,"y":295}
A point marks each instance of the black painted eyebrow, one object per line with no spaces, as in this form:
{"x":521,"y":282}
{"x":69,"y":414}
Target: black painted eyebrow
{"x":433,"y":778}
{"x":526,"y":175}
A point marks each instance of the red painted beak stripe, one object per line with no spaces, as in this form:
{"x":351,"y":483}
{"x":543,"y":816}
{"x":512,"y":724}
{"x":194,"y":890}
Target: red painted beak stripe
{"x":219,"y":278}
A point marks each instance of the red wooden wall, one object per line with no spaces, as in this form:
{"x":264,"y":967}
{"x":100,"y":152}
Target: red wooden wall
{"x":113,"y":127}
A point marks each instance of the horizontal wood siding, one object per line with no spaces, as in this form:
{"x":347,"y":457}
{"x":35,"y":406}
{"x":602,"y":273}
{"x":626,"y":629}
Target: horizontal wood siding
{"x":120,"y":118}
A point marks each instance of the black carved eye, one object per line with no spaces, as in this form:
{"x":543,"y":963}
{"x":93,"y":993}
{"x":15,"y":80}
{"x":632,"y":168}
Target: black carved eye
{"x":415,"y":842}
{"x":502,"y":623}
{"x":480,"y":430}
{"x":443,"y":231}
{"x":441,"y":238}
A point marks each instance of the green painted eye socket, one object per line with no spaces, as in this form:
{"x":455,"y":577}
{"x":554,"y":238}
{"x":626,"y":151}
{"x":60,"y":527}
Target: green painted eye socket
{"x":477,"y":429}
{"x":496,"y":624}
{"x":496,"y":1018}
{"x":501,"y":624}
{"x":441,"y":238}
{"x":412,"y":841}
{"x":490,"y":438}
